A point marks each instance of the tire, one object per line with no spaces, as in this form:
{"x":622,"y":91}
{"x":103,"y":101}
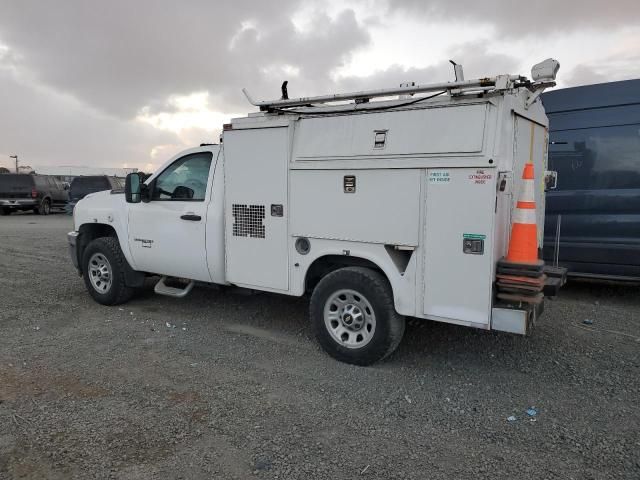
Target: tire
{"x":354,"y":317}
{"x":45,"y":207}
{"x":105,"y":256}
{"x":5,"y":211}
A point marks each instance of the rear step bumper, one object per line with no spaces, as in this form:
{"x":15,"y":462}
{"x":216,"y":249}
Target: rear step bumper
{"x":520,"y":317}
{"x":520,"y":320}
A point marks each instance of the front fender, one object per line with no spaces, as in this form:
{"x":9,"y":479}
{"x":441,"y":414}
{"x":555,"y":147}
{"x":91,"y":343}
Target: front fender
{"x":111,"y":210}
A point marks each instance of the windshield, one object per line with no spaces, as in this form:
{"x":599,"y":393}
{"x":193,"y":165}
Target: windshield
{"x":82,"y":186}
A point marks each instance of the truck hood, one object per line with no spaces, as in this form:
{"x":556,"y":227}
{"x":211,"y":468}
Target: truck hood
{"x":100,"y":207}
{"x":95,"y":198}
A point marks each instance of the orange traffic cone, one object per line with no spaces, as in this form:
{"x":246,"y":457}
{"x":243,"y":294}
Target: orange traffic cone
{"x":523,"y":245}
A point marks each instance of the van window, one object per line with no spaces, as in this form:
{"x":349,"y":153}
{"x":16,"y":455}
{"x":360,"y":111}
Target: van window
{"x":596,"y":158}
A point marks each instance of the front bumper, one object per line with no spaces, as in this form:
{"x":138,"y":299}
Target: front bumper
{"x":17,"y":203}
{"x":72,"y":238}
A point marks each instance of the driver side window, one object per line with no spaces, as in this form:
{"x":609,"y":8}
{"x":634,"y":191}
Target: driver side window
{"x":185,"y":179}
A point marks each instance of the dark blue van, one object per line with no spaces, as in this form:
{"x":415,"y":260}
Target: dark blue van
{"x":592,"y":221}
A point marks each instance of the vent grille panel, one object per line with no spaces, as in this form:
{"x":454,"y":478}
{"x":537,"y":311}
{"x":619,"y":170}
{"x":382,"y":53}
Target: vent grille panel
{"x":248,"y":221}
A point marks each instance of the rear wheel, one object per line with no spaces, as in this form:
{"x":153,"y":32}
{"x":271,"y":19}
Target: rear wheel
{"x":353,"y":316}
{"x":103,"y":267}
{"x":44,"y":208}
{"x":5,"y":211}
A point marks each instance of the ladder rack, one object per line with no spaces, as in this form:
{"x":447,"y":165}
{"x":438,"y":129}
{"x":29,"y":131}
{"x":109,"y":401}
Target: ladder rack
{"x":543,"y":75}
{"x":499,"y":83}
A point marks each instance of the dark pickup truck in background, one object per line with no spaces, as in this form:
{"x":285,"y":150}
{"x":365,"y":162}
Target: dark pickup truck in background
{"x":39,"y":193}
{"x":592,"y":221}
{"x":84,"y":185}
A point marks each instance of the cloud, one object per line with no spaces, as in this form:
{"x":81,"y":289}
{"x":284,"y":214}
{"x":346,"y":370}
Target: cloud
{"x":623,"y":64}
{"x":584,"y":75}
{"x":120,"y":56}
{"x":48,"y":128}
{"x":516,"y":18}
{"x":478,"y":62}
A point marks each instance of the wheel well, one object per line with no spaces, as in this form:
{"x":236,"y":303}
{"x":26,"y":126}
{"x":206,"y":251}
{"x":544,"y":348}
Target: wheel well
{"x":91,"y":231}
{"x":327,"y":264}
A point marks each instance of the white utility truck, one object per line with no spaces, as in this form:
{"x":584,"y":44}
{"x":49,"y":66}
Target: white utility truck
{"x":381,"y":204}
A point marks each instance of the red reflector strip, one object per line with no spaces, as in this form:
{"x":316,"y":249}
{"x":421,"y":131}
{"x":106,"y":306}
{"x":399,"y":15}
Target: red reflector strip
{"x":526,"y":205}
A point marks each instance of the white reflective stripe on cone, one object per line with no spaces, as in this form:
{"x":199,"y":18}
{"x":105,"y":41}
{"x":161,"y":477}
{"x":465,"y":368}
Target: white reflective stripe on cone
{"x":528,"y":191}
{"x":524,"y":215}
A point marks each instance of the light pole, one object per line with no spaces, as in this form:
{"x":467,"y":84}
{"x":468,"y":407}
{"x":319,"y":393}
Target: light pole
{"x":16,"y":157}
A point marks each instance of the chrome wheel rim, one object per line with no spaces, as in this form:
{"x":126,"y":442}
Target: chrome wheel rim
{"x":100,"y":273}
{"x":349,"y":318}
{"x":46,"y":207}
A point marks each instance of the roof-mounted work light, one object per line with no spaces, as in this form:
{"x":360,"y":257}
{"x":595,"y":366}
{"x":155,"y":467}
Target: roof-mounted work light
{"x":545,"y":71}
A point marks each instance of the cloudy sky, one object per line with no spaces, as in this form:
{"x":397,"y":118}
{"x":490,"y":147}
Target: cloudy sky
{"x":131,"y":82}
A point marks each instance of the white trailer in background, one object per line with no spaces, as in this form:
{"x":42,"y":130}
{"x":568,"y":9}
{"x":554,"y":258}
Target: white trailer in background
{"x":386,"y":209}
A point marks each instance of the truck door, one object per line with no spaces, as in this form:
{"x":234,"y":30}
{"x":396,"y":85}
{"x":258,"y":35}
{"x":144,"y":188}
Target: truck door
{"x":256,"y":210}
{"x":167,"y":234}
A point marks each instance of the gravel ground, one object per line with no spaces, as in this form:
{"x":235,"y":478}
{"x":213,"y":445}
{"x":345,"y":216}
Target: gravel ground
{"x":230,"y":386}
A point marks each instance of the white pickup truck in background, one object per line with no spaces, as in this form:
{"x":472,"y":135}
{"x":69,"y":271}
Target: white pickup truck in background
{"x":382,"y":210}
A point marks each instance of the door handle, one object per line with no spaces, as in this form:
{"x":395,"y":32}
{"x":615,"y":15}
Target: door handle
{"x":192,"y":217}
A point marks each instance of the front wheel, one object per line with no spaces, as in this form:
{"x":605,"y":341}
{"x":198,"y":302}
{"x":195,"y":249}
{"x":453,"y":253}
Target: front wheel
{"x":5,"y":211}
{"x":103,"y":267}
{"x":353,"y":316}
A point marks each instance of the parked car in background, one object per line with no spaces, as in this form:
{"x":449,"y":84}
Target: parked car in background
{"x":84,"y":185}
{"x":592,"y":221}
{"x":39,"y":193}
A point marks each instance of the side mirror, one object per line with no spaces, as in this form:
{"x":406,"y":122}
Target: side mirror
{"x":132,"y":188}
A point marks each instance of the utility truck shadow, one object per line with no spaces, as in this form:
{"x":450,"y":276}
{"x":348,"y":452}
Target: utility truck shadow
{"x":424,"y":342}
{"x":427,"y":342}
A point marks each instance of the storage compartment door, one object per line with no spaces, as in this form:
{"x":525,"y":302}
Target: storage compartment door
{"x":256,"y":209}
{"x":458,"y":265}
